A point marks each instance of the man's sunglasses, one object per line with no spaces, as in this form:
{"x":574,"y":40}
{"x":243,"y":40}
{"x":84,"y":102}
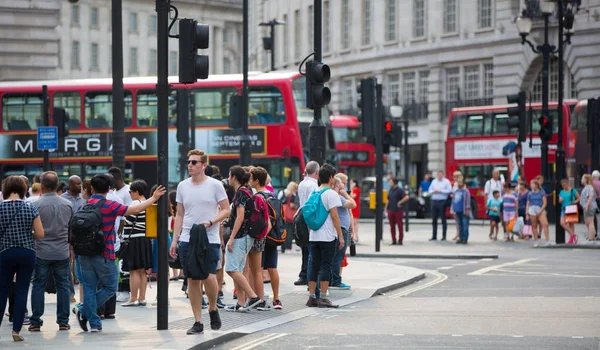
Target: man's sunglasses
{"x":193,"y":162}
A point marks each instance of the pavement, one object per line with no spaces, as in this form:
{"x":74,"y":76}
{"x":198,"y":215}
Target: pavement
{"x":135,"y":328}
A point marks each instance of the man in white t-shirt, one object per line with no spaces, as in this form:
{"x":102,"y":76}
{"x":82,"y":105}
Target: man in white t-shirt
{"x":493,"y":184}
{"x":200,"y":200}
{"x":325,"y":241}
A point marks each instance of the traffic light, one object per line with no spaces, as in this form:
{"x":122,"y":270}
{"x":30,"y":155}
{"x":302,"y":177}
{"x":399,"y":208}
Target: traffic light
{"x":366,"y":103}
{"x":192,"y":36}
{"x":396,"y":133}
{"x":545,"y":128}
{"x":593,"y":120}
{"x":317,"y":94}
{"x":517,"y":115}
{"x":60,"y":119}
{"x":235,"y":112}
{"x":388,"y":129}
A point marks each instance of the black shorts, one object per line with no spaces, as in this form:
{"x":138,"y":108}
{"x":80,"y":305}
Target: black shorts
{"x":269,"y":257}
{"x":495,"y":219}
{"x":215,"y":256}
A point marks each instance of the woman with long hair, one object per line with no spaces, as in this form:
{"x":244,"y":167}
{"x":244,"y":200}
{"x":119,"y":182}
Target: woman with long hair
{"x":456,"y":177}
{"x":291,"y":203}
{"x":355,"y":194}
{"x":536,"y":210}
{"x":567,"y":196}
{"x":589,"y":205}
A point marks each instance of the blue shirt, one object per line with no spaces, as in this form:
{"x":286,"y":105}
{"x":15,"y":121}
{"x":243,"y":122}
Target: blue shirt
{"x":509,"y":203}
{"x":536,"y":198}
{"x":425,"y":185}
{"x":494,"y":204}
{"x":523,"y":200}
{"x":461,"y":200}
{"x":344,"y":214}
{"x":567,"y":197}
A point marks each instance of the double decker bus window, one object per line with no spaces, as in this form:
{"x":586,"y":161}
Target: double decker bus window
{"x":98,"y":109}
{"x":211,"y":106}
{"x":536,"y":126}
{"x":147,"y":108}
{"x":487,"y":124}
{"x":22,"y":111}
{"x":501,"y":124}
{"x":265,"y":105}
{"x":304,"y":114}
{"x":457,"y":125}
{"x":477,"y":175}
{"x":71,"y":102}
{"x":475,"y":125}
{"x":348,"y":135}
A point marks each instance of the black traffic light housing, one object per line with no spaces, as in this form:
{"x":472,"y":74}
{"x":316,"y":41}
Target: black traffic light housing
{"x":397,"y":135}
{"x":60,"y":119}
{"x":517,"y":115}
{"x":545,"y":128}
{"x":593,"y":120}
{"x":317,"y":94}
{"x":388,"y":129}
{"x":192,"y":36}
{"x":235,"y":112}
{"x":366,"y":103}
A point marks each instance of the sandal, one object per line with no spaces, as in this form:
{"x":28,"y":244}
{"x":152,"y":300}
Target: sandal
{"x":17,"y":337}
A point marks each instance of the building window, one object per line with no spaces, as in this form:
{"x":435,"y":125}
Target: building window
{"x":75,"y":15}
{"x":472,"y":82}
{"x":286,"y":39}
{"x":488,"y":80}
{"x":152,"y":24}
{"x":297,"y":35}
{"x":173,"y":62}
{"x":484,"y":13}
{"x":226,"y":66}
{"x":452,"y":84}
{"x":94,"y":17}
{"x":450,"y":16}
{"x":367,"y":23}
{"x":408,"y":88}
{"x":348,"y":94}
{"x":225,"y":35}
{"x":152,"y":64}
{"x":573,"y":87}
{"x":133,"y":22}
{"x":75,"y":52}
{"x":569,"y":83}
{"x":345,"y":24}
{"x":326,"y":30}
{"x":393,"y":88}
{"x":418,"y":18}
{"x":133,"y":61}
{"x":390,"y":20}
{"x":94,"y":57}
{"x":424,"y":86}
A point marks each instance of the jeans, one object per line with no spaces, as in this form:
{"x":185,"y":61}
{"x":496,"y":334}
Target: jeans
{"x":322,"y":254}
{"x":463,"y":226}
{"x":60,"y":270}
{"x":94,"y":270}
{"x":396,"y":219}
{"x":19,"y":261}
{"x":336,"y":279}
{"x":303,"y":275}
{"x":438,"y":210}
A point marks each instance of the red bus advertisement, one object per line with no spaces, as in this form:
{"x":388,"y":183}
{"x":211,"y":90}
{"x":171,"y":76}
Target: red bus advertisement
{"x":277,"y":117}
{"x":354,"y":155}
{"x":479,"y":141}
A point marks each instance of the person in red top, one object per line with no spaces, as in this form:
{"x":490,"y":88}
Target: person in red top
{"x":355,"y":194}
{"x":102,"y":268}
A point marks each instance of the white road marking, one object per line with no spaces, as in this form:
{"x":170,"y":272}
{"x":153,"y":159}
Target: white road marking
{"x":577,"y":337}
{"x":473,"y":262}
{"x":440,"y":278}
{"x":517,"y":336}
{"x":457,"y":335}
{"x":397,"y":335}
{"x":487,"y":259}
{"x":497,"y":267}
{"x":260,"y":341}
{"x":341,"y":334}
{"x":446,"y":268}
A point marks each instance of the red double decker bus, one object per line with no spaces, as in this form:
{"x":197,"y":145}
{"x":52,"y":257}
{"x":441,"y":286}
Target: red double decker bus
{"x":479,"y":141}
{"x":579,"y":153}
{"x":354,"y":155}
{"x":278,"y":121}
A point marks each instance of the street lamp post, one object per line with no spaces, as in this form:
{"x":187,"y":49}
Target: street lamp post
{"x":565,"y":14}
{"x":269,"y":41}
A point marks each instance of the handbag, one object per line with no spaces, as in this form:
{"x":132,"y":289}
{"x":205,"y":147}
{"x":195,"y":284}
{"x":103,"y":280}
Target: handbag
{"x":288,"y":212}
{"x":572,"y":212}
{"x":122,"y":253}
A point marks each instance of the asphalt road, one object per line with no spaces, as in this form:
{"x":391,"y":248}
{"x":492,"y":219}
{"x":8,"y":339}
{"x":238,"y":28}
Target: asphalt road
{"x":526,"y":299}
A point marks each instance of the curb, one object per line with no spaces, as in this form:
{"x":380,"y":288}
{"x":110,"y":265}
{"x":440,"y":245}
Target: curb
{"x":570,"y":246}
{"x":218,"y":340}
{"x":429,"y":256}
{"x":398,"y":285}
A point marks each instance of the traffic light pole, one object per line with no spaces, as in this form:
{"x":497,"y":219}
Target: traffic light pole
{"x":560,"y":149}
{"x":245,"y":151}
{"x":162,"y":135}
{"x":546,"y":49}
{"x":378,"y":167}
{"x":118,"y":108}
{"x":317,"y":130}
{"x":593,"y":116}
{"x":272,"y":27}
{"x":406,"y":173}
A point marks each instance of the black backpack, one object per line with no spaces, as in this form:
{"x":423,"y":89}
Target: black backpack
{"x":87,"y":237}
{"x":278,"y":233}
{"x":301,"y":231}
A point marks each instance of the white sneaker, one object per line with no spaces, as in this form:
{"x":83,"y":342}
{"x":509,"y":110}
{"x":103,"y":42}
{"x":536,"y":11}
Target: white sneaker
{"x":122,"y":297}
{"x":266,"y":295}
{"x":155,"y":302}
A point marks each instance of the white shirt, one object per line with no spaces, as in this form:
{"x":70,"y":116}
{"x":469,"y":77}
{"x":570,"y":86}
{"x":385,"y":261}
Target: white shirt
{"x":113,"y":197}
{"x":124,"y":198}
{"x":492,"y":185}
{"x":327,"y":232}
{"x":201,"y":204}
{"x":442,"y":185}
{"x":307,"y":186}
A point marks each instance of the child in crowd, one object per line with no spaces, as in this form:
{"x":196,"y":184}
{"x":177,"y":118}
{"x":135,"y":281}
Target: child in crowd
{"x":494,"y":207}
{"x":509,"y":208}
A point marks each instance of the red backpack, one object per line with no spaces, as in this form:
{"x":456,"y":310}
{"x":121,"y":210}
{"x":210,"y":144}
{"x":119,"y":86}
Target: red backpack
{"x":258,"y":219}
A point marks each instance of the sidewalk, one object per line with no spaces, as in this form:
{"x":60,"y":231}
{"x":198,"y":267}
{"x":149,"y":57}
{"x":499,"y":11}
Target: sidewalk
{"x":135,"y":328}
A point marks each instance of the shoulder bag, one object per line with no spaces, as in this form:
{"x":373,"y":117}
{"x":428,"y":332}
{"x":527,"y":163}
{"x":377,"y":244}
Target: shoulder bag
{"x":572,"y":212}
{"x":122,"y":253}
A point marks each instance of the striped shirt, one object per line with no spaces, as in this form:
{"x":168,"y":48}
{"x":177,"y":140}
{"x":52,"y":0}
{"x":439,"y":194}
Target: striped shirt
{"x":509,"y":203}
{"x":135,"y":225}
{"x":110,"y":210}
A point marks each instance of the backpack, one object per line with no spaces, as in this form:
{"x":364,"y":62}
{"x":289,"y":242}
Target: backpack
{"x":278,"y":232}
{"x":87,"y":237}
{"x":314,"y":211}
{"x":301,"y":232}
{"x":258,"y":217}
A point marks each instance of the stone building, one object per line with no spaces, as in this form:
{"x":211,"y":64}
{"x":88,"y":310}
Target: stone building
{"x":430,"y":55}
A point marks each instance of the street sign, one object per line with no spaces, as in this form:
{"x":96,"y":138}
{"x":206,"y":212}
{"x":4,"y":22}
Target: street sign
{"x":47,"y":138}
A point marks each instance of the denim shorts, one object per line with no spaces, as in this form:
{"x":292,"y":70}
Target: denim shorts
{"x":215,"y":256}
{"x":534,"y":210}
{"x":235,"y":261}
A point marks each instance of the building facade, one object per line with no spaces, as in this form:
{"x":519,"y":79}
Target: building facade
{"x":429,"y":55}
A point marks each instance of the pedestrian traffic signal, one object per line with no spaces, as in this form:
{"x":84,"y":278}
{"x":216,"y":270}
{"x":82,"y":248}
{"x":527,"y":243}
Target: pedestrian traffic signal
{"x":545,"y":128}
{"x":366,"y":103}
{"x":396,"y":133}
{"x":192,"y":36}
{"x":387,"y":136}
{"x":236,"y":120}
{"x":60,"y":119}
{"x":317,"y":94}
{"x":517,"y":115}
